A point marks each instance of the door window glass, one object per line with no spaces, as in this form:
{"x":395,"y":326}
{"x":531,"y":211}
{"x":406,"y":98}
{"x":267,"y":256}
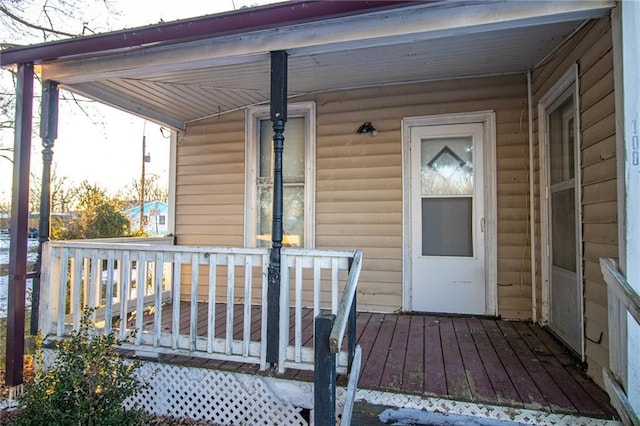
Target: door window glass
{"x":446,"y":178}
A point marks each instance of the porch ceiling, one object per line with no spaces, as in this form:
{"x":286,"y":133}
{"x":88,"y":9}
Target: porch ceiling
{"x":178,"y":84}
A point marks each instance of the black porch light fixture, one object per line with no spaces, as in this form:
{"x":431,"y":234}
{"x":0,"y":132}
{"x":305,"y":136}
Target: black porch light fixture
{"x":367,"y":127}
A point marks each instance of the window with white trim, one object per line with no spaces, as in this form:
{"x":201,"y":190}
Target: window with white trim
{"x":298,"y":169}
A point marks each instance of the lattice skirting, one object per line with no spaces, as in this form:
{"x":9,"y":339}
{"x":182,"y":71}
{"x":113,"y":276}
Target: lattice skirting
{"x":221,"y":397}
{"x":495,"y":412}
{"x":224,"y":398}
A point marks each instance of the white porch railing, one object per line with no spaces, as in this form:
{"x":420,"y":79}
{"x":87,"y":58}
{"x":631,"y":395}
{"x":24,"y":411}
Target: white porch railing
{"x":107,"y":276}
{"x":623,"y":299}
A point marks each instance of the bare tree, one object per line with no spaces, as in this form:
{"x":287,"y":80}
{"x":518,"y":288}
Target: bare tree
{"x":63,"y":194}
{"x":33,"y":21}
{"x":154,"y":189}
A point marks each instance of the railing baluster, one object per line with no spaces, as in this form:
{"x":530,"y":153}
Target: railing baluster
{"x":175,"y":298}
{"x":284,"y":311}
{"x":263,"y":323}
{"x":298,"y":310}
{"x":334,"y":285}
{"x":62,"y":295}
{"x":211,"y":323}
{"x":125,"y":290}
{"x":86,"y":279}
{"x":77,"y":289}
{"x":157,"y":317}
{"x":246,"y":334}
{"x":94,"y":286}
{"x":141,"y":283}
{"x":108,"y":310}
{"x":317,"y":286}
{"x":193,"y":320}
{"x":231,"y":271}
{"x":100,"y":291}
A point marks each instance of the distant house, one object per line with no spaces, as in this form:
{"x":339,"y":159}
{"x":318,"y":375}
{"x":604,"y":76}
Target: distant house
{"x":155,"y":218}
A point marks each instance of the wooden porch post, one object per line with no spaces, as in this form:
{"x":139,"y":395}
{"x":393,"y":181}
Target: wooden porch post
{"x":48,"y":133}
{"x":19,"y":226}
{"x":278,"y":118}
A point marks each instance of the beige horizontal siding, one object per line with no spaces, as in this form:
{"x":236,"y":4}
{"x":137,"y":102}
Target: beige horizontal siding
{"x":591,"y":48}
{"x":359,"y":180}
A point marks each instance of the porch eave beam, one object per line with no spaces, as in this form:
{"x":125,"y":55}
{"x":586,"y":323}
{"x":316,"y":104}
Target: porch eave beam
{"x":19,"y":226}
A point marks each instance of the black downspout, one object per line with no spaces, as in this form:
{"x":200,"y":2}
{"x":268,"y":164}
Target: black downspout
{"x":278,"y":118}
{"x":48,"y":134}
{"x":19,"y":225}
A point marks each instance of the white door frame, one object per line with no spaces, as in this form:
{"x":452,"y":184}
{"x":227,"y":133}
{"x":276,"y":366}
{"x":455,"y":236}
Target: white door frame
{"x":569,"y":78}
{"x":488,"y":120}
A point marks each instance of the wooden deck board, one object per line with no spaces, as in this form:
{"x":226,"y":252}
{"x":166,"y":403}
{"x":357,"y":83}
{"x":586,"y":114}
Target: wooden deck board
{"x":522,"y":382}
{"x":575,"y":369}
{"x":547,"y":385}
{"x":455,"y":374}
{"x":580,"y":399}
{"x":479,"y":383}
{"x":392,"y":375}
{"x":435,"y":380}
{"x":377,"y":359}
{"x":515,"y":364}
{"x":500,"y":381}
{"x":413,"y":374}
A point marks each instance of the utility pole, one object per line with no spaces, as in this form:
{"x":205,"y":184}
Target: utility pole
{"x":144,"y":160}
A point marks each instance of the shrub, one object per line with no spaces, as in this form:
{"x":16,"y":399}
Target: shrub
{"x":86,"y":385}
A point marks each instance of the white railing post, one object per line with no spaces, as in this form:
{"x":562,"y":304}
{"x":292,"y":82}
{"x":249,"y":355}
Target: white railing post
{"x":622,"y":297}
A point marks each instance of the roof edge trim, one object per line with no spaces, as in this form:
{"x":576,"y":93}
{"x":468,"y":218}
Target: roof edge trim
{"x":250,"y":19}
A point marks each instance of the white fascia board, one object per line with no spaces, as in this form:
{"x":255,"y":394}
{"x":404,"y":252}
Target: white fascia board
{"x":415,"y":23}
{"x":111,"y":99}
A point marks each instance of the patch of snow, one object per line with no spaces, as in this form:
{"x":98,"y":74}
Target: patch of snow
{"x":32,"y":254}
{"x":410,"y":416}
{"x":4,"y":295}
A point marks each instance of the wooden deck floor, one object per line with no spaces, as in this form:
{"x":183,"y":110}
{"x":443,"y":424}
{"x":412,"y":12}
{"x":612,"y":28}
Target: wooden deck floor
{"x":490,"y":361}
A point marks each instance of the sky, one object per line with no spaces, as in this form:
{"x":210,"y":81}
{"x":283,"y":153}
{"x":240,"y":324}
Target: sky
{"x":96,"y":142}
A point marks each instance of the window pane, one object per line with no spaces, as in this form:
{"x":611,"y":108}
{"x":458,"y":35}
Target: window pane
{"x":293,"y":154}
{"x":265,"y":149}
{"x":446,"y":166}
{"x":561,"y":134}
{"x":265,"y":205}
{"x":446,"y":227}
{"x":293,"y":216}
{"x":563,"y":222}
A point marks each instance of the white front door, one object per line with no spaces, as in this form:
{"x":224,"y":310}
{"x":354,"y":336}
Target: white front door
{"x":447,"y":243}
